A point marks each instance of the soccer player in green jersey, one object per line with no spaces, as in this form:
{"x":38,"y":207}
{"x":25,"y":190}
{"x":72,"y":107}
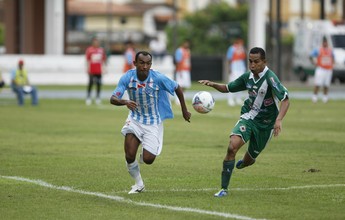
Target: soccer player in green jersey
{"x":260,"y":117}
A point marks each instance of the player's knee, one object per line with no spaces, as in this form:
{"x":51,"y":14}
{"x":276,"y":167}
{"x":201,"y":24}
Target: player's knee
{"x":148,"y":158}
{"x":149,"y":161}
{"x":231,"y":150}
{"x":130,"y":159}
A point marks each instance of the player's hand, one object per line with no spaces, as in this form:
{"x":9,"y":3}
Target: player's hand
{"x":206,"y":82}
{"x":131,"y":105}
{"x":277,"y":127}
{"x":187,"y":115}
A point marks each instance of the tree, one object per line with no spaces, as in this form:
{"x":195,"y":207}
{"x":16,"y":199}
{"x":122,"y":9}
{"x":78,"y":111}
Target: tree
{"x":212,"y":29}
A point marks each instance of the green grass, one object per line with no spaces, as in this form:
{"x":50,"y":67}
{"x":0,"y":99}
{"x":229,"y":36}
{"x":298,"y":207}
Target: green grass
{"x":65,"y":143}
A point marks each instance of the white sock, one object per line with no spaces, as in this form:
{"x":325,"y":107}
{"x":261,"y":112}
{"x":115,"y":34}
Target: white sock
{"x":134,"y":171}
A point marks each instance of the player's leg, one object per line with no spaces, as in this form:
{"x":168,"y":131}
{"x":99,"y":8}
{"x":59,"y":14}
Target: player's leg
{"x":231,"y":99}
{"x":317,"y":83}
{"x":132,"y":132}
{"x":237,"y":95}
{"x":131,"y":147}
{"x":152,"y":142}
{"x":229,"y":163}
{"x":88,"y":91}
{"x":34,"y":98}
{"x":327,"y":82}
{"x":238,"y":138}
{"x":20,"y":94}
{"x":98,"y":79}
{"x":257,"y":144}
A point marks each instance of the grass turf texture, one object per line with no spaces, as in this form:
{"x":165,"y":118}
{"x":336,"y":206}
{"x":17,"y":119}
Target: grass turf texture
{"x":65,"y":143}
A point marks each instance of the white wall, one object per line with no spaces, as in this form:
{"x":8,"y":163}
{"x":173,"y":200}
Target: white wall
{"x":69,"y":70}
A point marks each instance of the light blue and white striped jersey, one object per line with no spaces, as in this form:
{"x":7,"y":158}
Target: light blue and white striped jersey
{"x":151,"y":96}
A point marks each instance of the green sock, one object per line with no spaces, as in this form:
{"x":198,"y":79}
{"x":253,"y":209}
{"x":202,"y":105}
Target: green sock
{"x":228,"y":166}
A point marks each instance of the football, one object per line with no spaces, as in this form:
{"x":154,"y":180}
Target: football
{"x":203,"y":102}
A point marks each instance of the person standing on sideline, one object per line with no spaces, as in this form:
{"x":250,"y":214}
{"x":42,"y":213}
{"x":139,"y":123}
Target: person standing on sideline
{"x":236,"y":57}
{"x":129,"y":56}
{"x":149,"y":106}
{"x":324,"y":69}
{"x":21,"y":86}
{"x":260,"y":114}
{"x":2,"y":82}
{"x":183,"y":66}
{"x":96,"y":61}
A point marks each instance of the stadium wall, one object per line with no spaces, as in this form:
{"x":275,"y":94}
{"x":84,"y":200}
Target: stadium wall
{"x":69,"y":69}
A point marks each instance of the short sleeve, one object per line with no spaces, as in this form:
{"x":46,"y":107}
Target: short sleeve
{"x":277,"y":88}
{"x":121,"y":86}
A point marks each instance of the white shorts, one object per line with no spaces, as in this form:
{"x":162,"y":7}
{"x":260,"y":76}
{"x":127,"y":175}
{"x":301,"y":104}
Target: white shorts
{"x":323,"y":77}
{"x":150,"y":136}
{"x":183,"y":79}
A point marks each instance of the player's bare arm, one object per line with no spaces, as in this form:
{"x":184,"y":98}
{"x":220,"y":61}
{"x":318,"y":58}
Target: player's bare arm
{"x":284,"y":106}
{"x":119,"y":102}
{"x":186,"y":114}
{"x":220,"y":87}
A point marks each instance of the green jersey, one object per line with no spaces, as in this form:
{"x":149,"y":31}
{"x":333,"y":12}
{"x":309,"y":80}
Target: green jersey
{"x":264,"y":95}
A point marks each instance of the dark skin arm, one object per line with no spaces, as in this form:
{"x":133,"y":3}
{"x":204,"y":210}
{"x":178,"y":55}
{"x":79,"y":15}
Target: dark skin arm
{"x":220,"y":87}
{"x":120,"y":102}
{"x":180,"y":96}
{"x":284,"y":106}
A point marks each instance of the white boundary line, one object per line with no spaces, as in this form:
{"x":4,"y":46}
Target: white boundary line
{"x":247,"y":189}
{"x":122,"y":199}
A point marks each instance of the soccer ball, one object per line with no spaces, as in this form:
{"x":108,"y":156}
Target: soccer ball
{"x":203,"y":102}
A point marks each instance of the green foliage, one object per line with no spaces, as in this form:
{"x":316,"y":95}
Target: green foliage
{"x":2,"y":34}
{"x":65,"y":143}
{"x":211,"y":30}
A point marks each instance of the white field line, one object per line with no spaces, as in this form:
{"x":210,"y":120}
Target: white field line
{"x":248,"y":189}
{"x":124,"y":200}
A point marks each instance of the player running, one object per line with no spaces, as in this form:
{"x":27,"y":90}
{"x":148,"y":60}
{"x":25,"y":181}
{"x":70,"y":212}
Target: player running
{"x":260,"y":114}
{"x":149,"y":106}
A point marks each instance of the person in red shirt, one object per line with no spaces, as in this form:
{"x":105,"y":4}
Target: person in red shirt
{"x":95,"y":58}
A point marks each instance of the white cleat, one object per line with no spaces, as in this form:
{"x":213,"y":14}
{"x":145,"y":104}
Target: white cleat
{"x":137,"y":189}
{"x":88,"y":102}
{"x":221,"y":193}
{"x":98,"y":101}
{"x":314,"y":99}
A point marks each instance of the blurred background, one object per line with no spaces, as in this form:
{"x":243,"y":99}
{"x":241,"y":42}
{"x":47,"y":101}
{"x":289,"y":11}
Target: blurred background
{"x":52,"y":35}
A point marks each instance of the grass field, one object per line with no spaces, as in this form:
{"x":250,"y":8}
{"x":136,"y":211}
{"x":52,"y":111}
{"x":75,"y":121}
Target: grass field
{"x":64,"y":160}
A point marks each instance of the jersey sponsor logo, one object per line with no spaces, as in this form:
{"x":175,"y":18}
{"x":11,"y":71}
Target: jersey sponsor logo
{"x":268,"y":102}
{"x":274,"y":84}
{"x":257,"y":109}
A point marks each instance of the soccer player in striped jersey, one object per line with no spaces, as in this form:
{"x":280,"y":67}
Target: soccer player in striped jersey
{"x":261,"y":117}
{"x":149,"y":106}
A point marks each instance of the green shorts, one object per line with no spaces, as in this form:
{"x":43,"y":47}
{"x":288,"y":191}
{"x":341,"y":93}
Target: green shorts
{"x":250,"y":132}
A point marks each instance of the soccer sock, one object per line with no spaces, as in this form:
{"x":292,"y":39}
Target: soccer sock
{"x":134,"y":171}
{"x":228,"y":166}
